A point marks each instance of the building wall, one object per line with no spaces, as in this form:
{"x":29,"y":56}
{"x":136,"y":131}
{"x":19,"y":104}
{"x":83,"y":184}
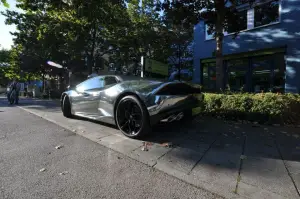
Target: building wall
{"x":285,"y":32}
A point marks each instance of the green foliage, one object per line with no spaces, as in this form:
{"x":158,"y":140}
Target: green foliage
{"x":263,"y":107}
{"x":14,"y":70}
{"x":5,"y":4}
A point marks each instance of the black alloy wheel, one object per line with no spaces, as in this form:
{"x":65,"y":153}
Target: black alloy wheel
{"x":66,"y":107}
{"x":132,"y":117}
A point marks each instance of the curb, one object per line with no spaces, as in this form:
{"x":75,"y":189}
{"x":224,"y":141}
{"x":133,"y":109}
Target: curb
{"x":178,"y":176}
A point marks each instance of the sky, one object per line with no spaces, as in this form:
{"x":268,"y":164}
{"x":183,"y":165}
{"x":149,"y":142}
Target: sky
{"x":6,"y":39}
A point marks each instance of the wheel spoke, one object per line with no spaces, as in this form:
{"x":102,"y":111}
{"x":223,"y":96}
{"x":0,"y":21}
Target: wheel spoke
{"x":130,"y":131}
{"x":124,"y":124}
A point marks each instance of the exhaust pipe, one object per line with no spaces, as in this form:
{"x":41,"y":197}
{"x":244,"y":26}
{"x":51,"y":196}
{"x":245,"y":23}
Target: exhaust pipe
{"x":179,"y":116}
{"x":175,"y":117}
{"x":171,"y":118}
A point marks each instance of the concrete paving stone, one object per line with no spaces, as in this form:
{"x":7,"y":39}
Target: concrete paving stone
{"x":120,"y":143}
{"x":269,"y":174}
{"x":251,"y":191}
{"x":149,"y":157}
{"x":219,"y":168}
{"x":296,"y":178}
{"x":291,"y":156}
{"x":181,"y":159}
{"x":264,"y":168}
{"x":228,"y":144}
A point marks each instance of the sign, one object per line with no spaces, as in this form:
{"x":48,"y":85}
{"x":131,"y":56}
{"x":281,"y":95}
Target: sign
{"x":153,"y":66}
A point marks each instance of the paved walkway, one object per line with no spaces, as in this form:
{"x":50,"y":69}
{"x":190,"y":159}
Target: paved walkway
{"x":231,"y":159}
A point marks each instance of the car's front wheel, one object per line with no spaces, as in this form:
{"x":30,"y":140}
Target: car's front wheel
{"x":132,"y":117}
{"x":66,"y":107}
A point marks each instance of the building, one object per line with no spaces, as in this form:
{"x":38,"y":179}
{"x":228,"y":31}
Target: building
{"x":264,"y":56}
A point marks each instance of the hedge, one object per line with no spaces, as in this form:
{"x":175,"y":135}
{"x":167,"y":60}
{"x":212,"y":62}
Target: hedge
{"x":265,"y":108}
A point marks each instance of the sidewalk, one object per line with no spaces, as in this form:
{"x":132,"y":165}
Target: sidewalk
{"x":231,"y":159}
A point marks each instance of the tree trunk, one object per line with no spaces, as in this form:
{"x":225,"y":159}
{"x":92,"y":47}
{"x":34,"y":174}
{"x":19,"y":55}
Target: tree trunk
{"x":219,"y":63}
{"x":220,"y":6}
{"x":91,"y":54}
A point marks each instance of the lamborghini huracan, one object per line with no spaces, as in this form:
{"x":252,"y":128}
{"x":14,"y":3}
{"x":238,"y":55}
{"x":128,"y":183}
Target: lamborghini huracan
{"x":133,"y":105}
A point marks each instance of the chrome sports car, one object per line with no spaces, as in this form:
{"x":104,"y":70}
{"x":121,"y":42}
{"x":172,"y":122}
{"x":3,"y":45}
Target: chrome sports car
{"x":134,"y":106}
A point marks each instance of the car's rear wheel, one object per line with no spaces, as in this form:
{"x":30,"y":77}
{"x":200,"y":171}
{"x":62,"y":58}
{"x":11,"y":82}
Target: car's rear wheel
{"x":66,"y":107}
{"x":132,"y":117}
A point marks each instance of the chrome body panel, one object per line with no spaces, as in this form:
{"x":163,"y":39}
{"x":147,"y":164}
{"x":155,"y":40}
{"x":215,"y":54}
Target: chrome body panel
{"x":99,"y":103}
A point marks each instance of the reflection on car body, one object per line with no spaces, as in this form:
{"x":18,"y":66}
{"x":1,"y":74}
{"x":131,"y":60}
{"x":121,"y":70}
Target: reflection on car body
{"x":133,"y":105}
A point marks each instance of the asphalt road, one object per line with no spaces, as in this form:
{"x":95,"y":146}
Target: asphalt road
{"x":32,"y":167}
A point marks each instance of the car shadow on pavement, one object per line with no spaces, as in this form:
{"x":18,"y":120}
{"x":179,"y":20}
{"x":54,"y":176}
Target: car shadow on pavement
{"x":216,"y":151}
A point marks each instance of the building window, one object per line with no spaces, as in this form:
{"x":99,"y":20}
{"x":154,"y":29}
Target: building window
{"x":209,"y":76}
{"x":242,"y":22}
{"x":267,"y":13}
{"x":261,"y":74}
{"x":237,"y":74}
{"x":279,"y":73}
{"x":261,"y":14}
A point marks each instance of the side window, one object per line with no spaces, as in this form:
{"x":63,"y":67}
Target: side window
{"x":93,"y":83}
{"x":110,"y":80}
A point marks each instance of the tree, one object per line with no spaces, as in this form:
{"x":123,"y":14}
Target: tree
{"x":4,"y":2}
{"x":4,"y":64}
{"x":64,"y":31}
{"x":219,"y":16}
{"x":15,"y":66}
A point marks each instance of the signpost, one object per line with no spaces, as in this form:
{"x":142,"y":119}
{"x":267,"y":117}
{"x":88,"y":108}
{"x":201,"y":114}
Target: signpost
{"x":153,"y":66}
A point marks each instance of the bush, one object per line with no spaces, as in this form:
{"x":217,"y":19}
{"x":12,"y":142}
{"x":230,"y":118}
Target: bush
{"x":262,"y":108}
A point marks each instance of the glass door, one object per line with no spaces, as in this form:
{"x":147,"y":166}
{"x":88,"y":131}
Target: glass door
{"x":237,"y":74}
{"x":261,"y":74}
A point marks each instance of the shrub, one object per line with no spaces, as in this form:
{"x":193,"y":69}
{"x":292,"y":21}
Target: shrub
{"x":262,"y":108}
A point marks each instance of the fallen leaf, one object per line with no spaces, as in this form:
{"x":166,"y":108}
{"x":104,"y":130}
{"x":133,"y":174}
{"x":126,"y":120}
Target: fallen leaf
{"x":167,"y":144}
{"x":243,"y":157}
{"x":298,"y":147}
{"x":63,"y":173}
{"x":59,"y":147}
{"x":42,"y":170}
{"x":144,"y":148}
{"x":74,"y":130}
{"x":225,"y":134}
{"x":227,"y":145}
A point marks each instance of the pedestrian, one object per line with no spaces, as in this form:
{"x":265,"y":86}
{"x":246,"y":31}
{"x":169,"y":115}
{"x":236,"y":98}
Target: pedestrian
{"x":15,"y":85}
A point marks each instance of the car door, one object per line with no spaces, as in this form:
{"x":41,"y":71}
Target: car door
{"x":105,"y":107}
{"x":87,"y":96}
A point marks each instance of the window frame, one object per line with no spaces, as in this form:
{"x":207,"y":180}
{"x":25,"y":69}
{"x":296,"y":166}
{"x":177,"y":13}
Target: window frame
{"x":250,"y":26}
{"x":90,"y":80}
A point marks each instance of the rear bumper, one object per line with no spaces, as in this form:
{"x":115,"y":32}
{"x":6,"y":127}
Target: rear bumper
{"x":166,"y":106}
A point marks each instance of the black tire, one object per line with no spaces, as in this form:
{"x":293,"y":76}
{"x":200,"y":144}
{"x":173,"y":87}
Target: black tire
{"x":66,"y":107}
{"x":132,"y":117}
{"x":11,"y":99}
